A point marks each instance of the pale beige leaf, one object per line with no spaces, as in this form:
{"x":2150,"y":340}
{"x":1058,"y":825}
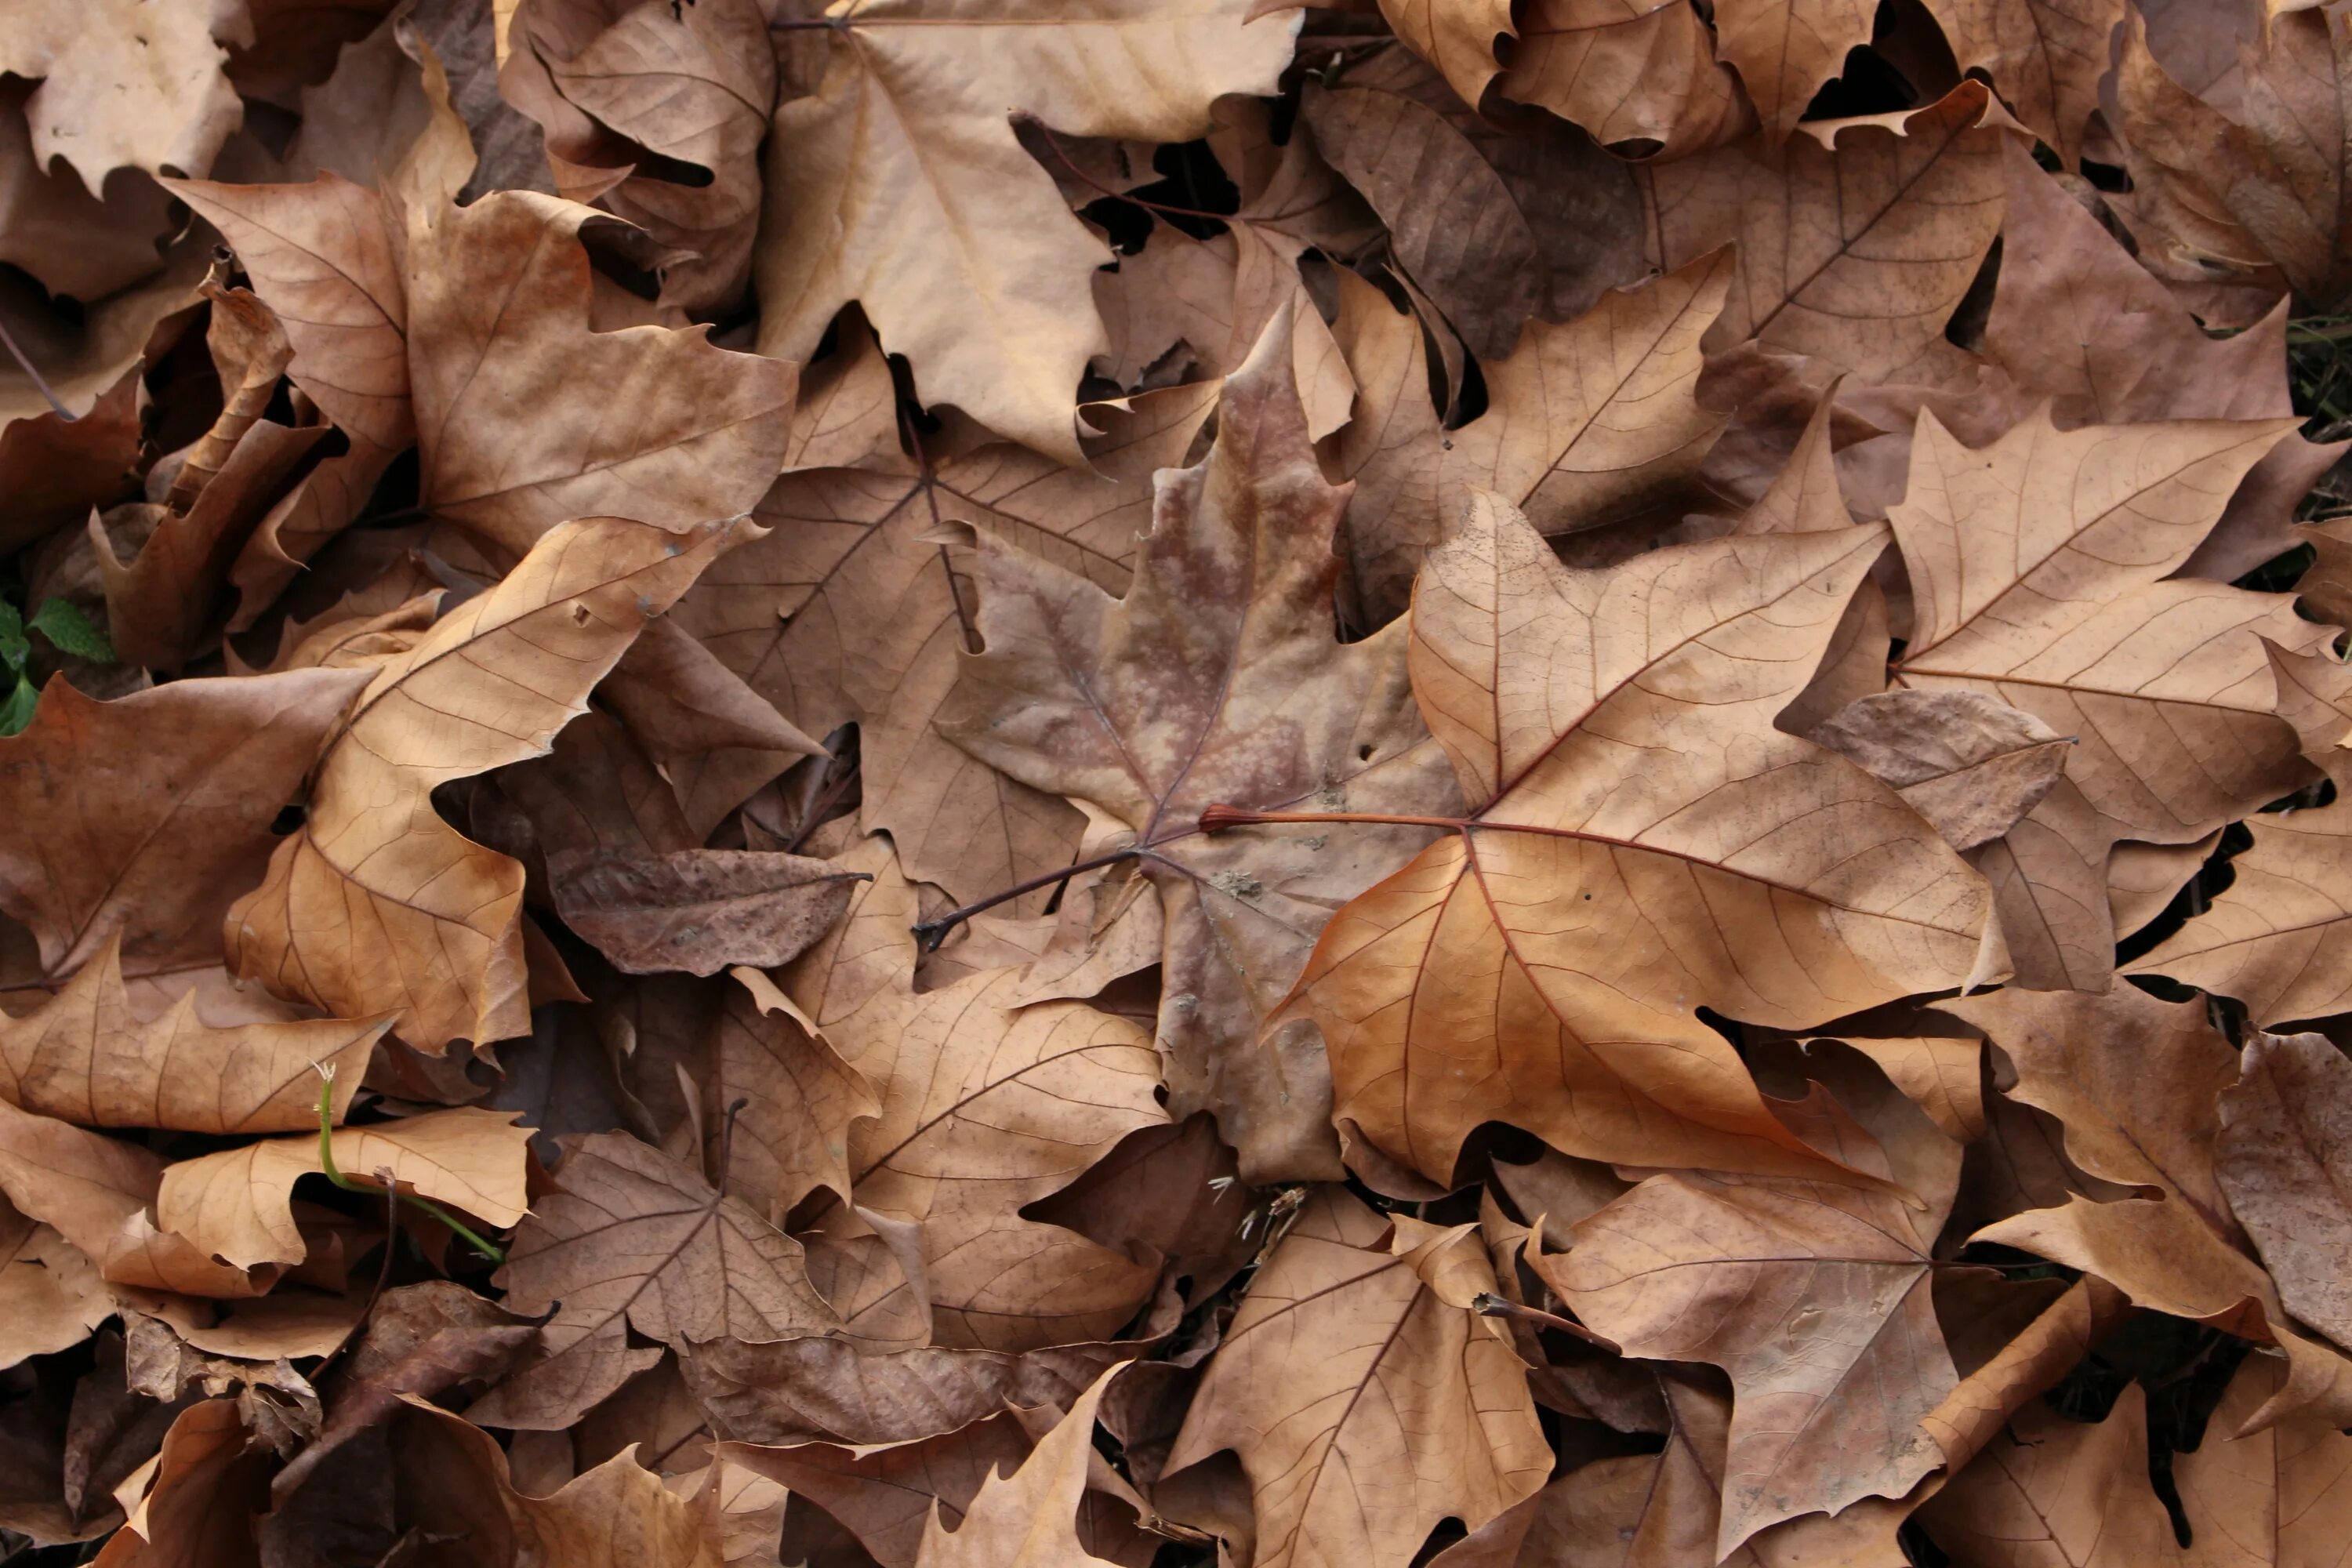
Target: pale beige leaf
{"x":899,"y":183}
{"x":237,"y":1205}
{"x":50,"y":1295}
{"x":85,"y":1057}
{"x":129,"y":84}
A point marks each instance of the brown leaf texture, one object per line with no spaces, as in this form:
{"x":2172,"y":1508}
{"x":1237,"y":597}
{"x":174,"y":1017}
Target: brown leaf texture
{"x":1497,"y":784}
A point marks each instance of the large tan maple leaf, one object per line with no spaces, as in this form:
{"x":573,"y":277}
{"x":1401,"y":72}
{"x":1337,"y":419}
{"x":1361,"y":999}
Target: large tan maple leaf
{"x":1217,"y":679}
{"x":900,"y":183}
{"x":1646,"y":843}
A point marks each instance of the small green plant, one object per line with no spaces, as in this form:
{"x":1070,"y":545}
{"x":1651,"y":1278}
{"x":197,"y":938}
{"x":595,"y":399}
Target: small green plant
{"x":423,"y":1205}
{"x":64,"y":629}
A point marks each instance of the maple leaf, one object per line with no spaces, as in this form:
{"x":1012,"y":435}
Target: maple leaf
{"x":1813,"y":1297}
{"x":1630,"y":73}
{"x":1857,"y":240}
{"x":1354,"y":1362}
{"x":1216,"y":679}
{"x":1537,"y":963}
{"x":985,"y":1108}
{"x":851,"y":609}
{"x":1026,"y":1519}
{"x":2044,"y":57}
{"x":634,"y":1239}
{"x":913,"y":102}
{"x":694,"y":86}
{"x":1586,"y":423}
{"x":1785,"y":49}
{"x":374,"y":904}
{"x":2039,"y":565}
{"x":2267,"y":1497}
{"x":2059,"y":1491}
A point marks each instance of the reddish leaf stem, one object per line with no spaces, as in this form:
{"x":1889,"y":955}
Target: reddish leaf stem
{"x":930,"y":934}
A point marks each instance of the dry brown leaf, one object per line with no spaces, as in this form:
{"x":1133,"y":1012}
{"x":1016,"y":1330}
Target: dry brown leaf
{"x":1365,"y":1400}
{"x":50,"y":1295}
{"x":196,"y":1504}
{"x":2035,"y":565}
{"x":1632,"y":73}
{"x":2283,"y":1160}
{"x":1027,"y":1518}
{"x":1968,"y":763}
{"x":497,"y":318}
{"x":237,"y":1205}
{"x":2264,"y":180}
{"x":2045,"y":58}
{"x":1457,"y":36}
{"x":140,"y":818}
{"x":2065,"y":1494}
{"x":1548,"y":944}
{"x":1586,"y":423}
{"x":985,"y":1108}
{"x":1785,"y":49}
{"x":99,"y":1194}
{"x":1814,"y":1297}
{"x":1215,"y":680}
{"x":2272,"y":1498}
{"x":2274,"y":937}
{"x":850,"y":611}
{"x":374,"y":904}
{"x":85,"y":1057}
{"x":634,"y":1239}
{"x":617,"y":1515}
{"x":699,"y":911}
{"x":832,"y":1389}
{"x":1857,"y":240}
{"x":695,"y":86}
{"x":971,"y":265}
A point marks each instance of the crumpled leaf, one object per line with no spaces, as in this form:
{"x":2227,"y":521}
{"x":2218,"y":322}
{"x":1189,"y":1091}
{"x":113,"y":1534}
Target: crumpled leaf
{"x":1970,"y":765}
{"x":1364,"y":1398}
{"x":374,"y":904}
{"x":1152,"y":708}
{"x":50,"y":1295}
{"x":1547,"y":943}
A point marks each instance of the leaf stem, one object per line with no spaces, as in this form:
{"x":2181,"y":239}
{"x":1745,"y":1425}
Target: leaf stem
{"x":327,"y":1165}
{"x":930,"y":934}
{"x":1489,"y":1305}
{"x":1217,"y":818}
{"x":8,"y":339}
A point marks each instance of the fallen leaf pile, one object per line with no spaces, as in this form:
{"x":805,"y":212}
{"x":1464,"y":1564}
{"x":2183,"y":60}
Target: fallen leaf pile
{"x":1432,"y":783}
